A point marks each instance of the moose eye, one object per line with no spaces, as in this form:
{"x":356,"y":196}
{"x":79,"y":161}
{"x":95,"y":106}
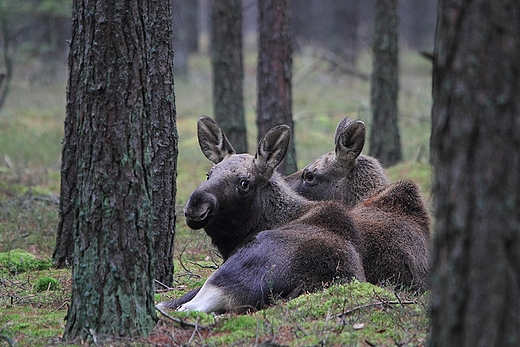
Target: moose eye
{"x":244,"y":185}
{"x":309,"y":178}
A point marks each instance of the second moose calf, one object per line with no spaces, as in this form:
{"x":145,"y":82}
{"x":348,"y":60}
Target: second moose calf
{"x":392,"y":218}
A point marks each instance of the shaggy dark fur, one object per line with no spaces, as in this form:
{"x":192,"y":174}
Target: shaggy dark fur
{"x":392,"y":219}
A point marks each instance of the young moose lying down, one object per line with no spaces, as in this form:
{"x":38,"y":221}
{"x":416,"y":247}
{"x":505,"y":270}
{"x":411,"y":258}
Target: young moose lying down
{"x":392,"y":218}
{"x":275,"y":243}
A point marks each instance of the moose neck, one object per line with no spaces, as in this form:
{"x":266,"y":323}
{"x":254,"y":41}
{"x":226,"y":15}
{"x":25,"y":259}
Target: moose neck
{"x":280,"y":204}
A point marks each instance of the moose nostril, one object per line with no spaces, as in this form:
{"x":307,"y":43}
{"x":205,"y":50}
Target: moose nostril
{"x":198,"y":209}
{"x":197,"y":214}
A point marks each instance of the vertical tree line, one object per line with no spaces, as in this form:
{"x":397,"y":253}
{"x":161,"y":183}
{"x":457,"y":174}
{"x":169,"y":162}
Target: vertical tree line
{"x":274,"y":73}
{"x":385,"y":143}
{"x":228,"y":71}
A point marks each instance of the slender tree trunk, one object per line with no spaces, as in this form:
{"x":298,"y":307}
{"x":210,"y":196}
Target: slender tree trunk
{"x":476,"y":157}
{"x":160,"y":107}
{"x":5,"y":79}
{"x":185,"y":34}
{"x":119,"y":162}
{"x":385,"y":143}
{"x":228,"y":71}
{"x":275,"y":73}
{"x":344,"y":36}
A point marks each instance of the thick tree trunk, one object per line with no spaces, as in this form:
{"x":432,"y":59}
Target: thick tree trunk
{"x":119,"y":162}
{"x":385,"y":143}
{"x":275,"y":73}
{"x":228,"y":71}
{"x":476,"y":157}
{"x":153,"y":80}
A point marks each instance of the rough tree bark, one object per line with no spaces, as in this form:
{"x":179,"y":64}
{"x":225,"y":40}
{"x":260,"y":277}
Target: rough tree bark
{"x":228,"y":71}
{"x":384,"y":140}
{"x":119,"y":164}
{"x":155,"y":80}
{"x":160,"y":107}
{"x":274,"y":103}
{"x":475,"y":141}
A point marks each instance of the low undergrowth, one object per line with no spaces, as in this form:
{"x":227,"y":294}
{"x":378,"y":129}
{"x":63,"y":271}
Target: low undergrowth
{"x":355,"y":314}
{"x":34,"y":305}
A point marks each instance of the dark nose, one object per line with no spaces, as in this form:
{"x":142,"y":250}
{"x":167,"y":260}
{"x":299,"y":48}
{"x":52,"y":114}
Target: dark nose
{"x":199,"y":209}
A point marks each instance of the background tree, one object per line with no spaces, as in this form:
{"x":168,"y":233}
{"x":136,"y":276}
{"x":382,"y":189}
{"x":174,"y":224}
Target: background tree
{"x":33,"y":30}
{"x":384,"y":140}
{"x":228,"y":71}
{"x":274,"y":74}
{"x":345,"y":22}
{"x":338,"y":34}
{"x":119,"y":154}
{"x":476,"y":156}
{"x":7,"y":57}
{"x":185,"y":34}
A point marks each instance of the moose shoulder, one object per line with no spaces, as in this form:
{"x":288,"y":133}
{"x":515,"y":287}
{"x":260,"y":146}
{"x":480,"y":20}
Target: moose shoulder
{"x":392,"y":218}
{"x":275,"y":243}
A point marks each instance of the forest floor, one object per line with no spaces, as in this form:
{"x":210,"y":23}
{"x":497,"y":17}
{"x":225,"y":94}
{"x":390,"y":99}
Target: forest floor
{"x":34,"y":297}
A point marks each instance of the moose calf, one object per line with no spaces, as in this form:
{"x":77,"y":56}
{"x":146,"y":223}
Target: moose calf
{"x":392,"y":218}
{"x":345,"y":174}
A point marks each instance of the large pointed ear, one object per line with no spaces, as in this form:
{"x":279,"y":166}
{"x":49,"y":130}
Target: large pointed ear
{"x":350,"y":142}
{"x":272,"y":149}
{"x":342,"y":126}
{"x":212,"y":140}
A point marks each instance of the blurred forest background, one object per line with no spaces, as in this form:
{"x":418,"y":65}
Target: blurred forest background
{"x":34,"y":34}
{"x":334,"y":36}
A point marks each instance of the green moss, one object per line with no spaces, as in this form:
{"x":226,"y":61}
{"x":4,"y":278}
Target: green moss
{"x":46,"y":283}
{"x":194,"y":317}
{"x":335,"y":298}
{"x":19,"y":260}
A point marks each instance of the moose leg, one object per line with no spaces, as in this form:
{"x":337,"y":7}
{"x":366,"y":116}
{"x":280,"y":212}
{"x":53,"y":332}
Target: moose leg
{"x":209,"y":298}
{"x":174,"y":304}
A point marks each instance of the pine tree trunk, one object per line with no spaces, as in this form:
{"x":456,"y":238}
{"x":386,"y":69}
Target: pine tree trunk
{"x":384,"y":140}
{"x":152,"y":82}
{"x":228,"y":71}
{"x":163,"y":136}
{"x":476,"y":157}
{"x":119,"y":162}
{"x":274,"y":74}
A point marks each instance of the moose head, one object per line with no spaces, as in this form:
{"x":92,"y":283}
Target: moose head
{"x":344,"y":174}
{"x":243,"y":194}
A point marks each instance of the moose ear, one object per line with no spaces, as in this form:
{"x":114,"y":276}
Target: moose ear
{"x":212,"y":140}
{"x":272,"y":149}
{"x":342,"y":126}
{"x":350,"y":141}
